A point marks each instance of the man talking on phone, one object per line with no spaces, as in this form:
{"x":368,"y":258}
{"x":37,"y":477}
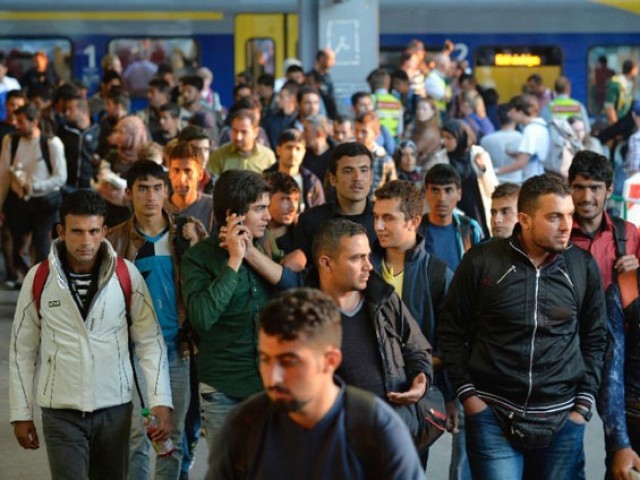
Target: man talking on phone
{"x":224,"y":294}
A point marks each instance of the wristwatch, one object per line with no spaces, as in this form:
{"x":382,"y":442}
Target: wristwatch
{"x":584,"y":411}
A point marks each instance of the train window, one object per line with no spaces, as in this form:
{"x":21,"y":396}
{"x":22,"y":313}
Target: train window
{"x":19,"y":54}
{"x":603,"y":62}
{"x":507,"y":68}
{"x":260,"y":56}
{"x":140,"y":58}
{"x":390,"y":56}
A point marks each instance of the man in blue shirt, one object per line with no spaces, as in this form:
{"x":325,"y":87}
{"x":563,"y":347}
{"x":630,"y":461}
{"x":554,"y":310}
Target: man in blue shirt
{"x":149,"y":240}
{"x":448,"y":234}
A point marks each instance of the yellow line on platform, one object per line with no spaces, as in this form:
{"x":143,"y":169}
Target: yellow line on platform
{"x":110,"y":15}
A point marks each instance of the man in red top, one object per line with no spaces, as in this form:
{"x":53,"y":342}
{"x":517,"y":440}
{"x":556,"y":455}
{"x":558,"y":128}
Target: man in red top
{"x":590,"y":177}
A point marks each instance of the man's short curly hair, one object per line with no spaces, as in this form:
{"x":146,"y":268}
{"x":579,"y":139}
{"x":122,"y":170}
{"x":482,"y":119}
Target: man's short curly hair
{"x":303,"y":314}
{"x":411,"y":198}
{"x":83,"y":203}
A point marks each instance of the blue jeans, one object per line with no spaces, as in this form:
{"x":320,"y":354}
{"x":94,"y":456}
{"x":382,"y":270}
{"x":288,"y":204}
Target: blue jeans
{"x":167,"y":467}
{"x":215,"y":407}
{"x":192,"y":421}
{"x":87,"y":445}
{"x":492,"y":457}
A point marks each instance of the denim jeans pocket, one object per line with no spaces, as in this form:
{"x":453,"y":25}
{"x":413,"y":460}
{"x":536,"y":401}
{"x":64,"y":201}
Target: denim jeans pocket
{"x":478,"y":414}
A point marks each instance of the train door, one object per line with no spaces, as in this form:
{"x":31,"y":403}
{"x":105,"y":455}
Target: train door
{"x":263,"y":41}
{"x":507,"y":68}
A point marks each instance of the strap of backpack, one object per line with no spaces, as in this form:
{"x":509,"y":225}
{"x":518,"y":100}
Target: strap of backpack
{"x":39,"y":279}
{"x":46,"y":151}
{"x":628,"y":283}
{"x":620,"y":235}
{"x":124,"y":279}
{"x":360,"y":414}
{"x":465,"y":232}
{"x":15,"y":141}
{"x":122,"y":272}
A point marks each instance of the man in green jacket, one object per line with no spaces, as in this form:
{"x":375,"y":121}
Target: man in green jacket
{"x":224,"y":294}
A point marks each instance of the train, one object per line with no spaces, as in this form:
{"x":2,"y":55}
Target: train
{"x":504,"y":41}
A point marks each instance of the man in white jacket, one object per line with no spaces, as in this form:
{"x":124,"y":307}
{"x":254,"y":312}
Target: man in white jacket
{"x":79,"y":336}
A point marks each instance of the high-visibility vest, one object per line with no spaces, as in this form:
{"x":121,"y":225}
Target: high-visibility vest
{"x":564,"y":107}
{"x":389,"y":110}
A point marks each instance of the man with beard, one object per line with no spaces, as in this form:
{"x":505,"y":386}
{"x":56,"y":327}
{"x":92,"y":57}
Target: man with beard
{"x":384,"y":350}
{"x":523,"y":337}
{"x":350,"y":173}
{"x":594,"y":230}
{"x":308,"y":424}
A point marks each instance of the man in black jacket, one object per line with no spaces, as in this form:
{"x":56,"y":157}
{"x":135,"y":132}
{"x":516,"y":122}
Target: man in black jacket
{"x":383,"y":349}
{"x":80,"y":139}
{"x":522,"y":332}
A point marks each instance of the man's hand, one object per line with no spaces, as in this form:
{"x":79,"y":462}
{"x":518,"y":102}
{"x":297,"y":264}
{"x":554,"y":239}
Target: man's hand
{"x":453,"y":419}
{"x":624,"y":461}
{"x":26,"y":434}
{"x":235,"y":239}
{"x":163,"y":430}
{"x":295,"y":260}
{"x":473,"y":405}
{"x":626,"y":263}
{"x":576,"y":417}
{"x":415,"y":393}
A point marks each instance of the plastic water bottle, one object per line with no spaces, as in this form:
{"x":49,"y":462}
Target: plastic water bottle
{"x":150,"y":422}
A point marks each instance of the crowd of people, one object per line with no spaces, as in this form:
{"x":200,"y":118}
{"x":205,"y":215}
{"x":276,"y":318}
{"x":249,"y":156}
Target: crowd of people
{"x":432,"y":251}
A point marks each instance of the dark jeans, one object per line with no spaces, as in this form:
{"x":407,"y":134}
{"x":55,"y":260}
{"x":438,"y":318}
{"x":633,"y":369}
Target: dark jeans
{"x":88,"y":445}
{"x":37,"y":216}
{"x":492,"y":457}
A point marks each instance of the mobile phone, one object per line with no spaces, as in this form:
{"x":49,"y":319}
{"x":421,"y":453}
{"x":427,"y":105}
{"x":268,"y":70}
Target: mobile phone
{"x":634,"y":474}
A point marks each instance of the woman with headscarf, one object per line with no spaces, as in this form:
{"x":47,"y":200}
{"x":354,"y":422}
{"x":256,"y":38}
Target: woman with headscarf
{"x":456,"y":142}
{"x":405,"y":157}
{"x":128,"y":137}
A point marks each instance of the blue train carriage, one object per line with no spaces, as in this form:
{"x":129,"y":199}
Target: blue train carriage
{"x":76,"y":41}
{"x":504,"y":41}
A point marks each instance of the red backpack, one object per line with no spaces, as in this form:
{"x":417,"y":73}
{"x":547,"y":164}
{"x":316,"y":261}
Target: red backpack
{"x":122,"y":272}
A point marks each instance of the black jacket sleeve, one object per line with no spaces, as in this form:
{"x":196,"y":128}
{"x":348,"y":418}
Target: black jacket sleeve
{"x":456,"y":324}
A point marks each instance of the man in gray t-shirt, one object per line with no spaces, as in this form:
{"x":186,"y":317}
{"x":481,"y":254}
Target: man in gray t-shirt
{"x":185,"y":171}
{"x":500,"y":145}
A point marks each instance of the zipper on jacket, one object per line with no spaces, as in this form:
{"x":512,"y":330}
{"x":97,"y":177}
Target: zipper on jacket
{"x":533,"y":340}
{"x":512,"y":269}
{"x":566,"y":275}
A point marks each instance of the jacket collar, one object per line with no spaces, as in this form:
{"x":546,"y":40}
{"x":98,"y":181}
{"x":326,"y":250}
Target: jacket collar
{"x":107,"y":266}
{"x":376,"y":292}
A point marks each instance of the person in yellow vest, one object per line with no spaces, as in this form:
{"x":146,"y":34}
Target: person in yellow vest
{"x":388,"y":108}
{"x":563,"y":107}
{"x":436,"y":84}
{"x":619,"y":93}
